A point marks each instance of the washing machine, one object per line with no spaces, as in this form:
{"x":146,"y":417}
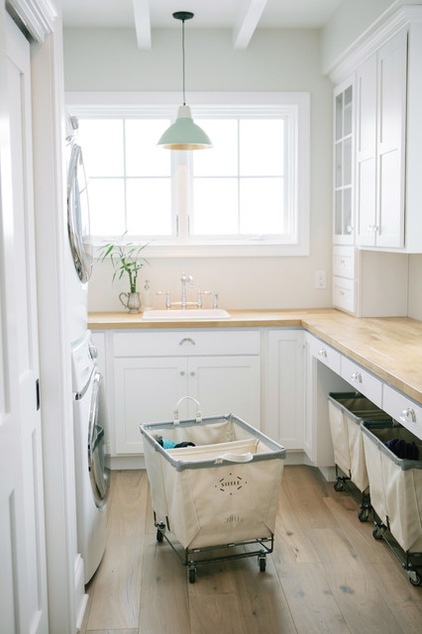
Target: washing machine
{"x":91,"y":474}
{"x":79,"y":256}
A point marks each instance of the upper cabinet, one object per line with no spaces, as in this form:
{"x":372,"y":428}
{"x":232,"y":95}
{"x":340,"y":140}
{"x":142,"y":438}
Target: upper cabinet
{"x":378,"y":196}
{"x":380,"y":141}
{"x":343,"y":163}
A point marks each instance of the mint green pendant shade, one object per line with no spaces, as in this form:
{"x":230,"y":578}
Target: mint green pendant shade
{"x":184,"y":134}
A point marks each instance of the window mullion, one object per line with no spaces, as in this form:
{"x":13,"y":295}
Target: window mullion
{"x":182,"y":190}
{"x":124,"y":176}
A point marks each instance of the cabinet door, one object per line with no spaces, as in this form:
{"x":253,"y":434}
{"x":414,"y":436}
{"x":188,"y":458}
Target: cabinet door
{"x":391,"y":141}
{"x":380,"y":154}
{"x":146,"y":390}
{"x":284,"y":388}
{"x":343,"y":161}
{"x":366,"y":151}
{"x":227,"y":385}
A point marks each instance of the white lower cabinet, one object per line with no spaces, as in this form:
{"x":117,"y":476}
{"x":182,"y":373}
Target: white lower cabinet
{"x":166,"y":366}
{"x":284,"y":386}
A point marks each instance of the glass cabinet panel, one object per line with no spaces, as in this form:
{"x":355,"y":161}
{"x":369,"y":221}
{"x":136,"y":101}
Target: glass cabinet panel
{"x":343,"y":165}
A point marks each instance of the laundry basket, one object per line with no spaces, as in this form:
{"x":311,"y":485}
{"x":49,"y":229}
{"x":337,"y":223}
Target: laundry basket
{"x":396,"y":488}
{"x":346,"y":412}
{"x":219,"y":493}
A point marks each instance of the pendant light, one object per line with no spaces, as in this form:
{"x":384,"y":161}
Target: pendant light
{"x":184,"y":134}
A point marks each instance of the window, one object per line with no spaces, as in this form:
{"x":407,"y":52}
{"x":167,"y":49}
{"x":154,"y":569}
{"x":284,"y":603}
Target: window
{"x":247,"y":194}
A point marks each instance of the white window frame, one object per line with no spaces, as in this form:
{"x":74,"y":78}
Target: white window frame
{"x":90,"y":104}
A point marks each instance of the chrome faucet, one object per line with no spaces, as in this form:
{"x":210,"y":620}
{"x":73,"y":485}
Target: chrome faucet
{"x":185,"y":279}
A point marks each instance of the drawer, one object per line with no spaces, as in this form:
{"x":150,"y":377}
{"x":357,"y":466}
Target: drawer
{"x":344,"y":294}
{"x":325,"y":353}
{"x":362,"y":380}
{"x":344,"y":262}
{"x":185,"y":343}
{"x":403,"y":410}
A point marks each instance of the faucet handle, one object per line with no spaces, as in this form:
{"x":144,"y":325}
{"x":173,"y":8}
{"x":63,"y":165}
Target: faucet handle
{"x":215,"y":302}
{"x":168,"y":297}
{"x":187,"y":279}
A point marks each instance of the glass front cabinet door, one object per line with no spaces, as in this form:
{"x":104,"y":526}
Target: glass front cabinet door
{"x":343,"y":164}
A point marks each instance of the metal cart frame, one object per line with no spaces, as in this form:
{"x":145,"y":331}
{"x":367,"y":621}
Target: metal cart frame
{"x":217,"y":500}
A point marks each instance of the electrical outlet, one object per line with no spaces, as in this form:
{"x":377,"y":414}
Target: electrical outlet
{"x":320,"y":279}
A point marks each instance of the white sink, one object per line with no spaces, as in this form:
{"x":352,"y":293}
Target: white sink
{"x":185,"y":314}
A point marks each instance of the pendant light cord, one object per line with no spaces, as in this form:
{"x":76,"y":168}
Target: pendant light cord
{"x":183,"y":62}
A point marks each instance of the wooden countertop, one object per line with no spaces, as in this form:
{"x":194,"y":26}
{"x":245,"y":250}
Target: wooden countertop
{"x":390,"y":347}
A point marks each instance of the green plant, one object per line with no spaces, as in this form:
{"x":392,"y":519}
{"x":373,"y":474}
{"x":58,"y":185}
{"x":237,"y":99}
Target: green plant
{"x":125,"y":258}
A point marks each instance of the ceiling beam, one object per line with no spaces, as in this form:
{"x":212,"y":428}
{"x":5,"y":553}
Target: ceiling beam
{"x":247,"y":23}
{"x":142,"y":23}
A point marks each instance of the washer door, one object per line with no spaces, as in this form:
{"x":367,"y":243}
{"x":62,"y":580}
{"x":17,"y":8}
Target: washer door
{"x":78,"y":215}
{"x":98,"y":472}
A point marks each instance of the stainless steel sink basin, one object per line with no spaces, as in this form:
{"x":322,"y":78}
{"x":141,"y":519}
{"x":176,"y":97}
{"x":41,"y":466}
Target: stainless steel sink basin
{"x":188,"y":314}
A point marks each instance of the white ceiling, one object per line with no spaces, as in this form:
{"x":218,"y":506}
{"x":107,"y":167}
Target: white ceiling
{"x":241,"y":16}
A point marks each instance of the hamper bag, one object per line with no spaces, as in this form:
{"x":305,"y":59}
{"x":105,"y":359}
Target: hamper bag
{"x":221,"y":491}
{"x":346,"y":412}
{"x":395,"y":484}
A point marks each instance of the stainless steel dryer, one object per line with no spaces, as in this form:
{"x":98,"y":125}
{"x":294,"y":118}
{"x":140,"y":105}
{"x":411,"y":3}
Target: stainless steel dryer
{"x":77,"y":203}
{"x":92,"y":477}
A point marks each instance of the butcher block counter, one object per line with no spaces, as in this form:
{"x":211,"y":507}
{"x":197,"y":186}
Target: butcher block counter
{"x":389,"y":347}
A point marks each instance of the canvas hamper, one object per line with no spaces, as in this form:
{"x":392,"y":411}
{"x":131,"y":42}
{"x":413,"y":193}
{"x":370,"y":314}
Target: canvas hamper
{"x":395,"y":484}
{"x":222,"y":490}
{"x":346,"y":412}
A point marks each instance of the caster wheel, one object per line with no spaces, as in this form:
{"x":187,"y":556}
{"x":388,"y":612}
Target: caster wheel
{"x":192,"y":575}
{"x":339,"y":485}
{"x":262,"y":563}
{"x":160,"y":536}
{"x":363,"y":515}
{"x":414,"y":579}
{"x":377,"y":533}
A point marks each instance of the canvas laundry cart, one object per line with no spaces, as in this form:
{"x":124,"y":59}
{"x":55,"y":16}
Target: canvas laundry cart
{"x":396,"y":493}
{"x":218,"y":499}
{"x":346,"y":411}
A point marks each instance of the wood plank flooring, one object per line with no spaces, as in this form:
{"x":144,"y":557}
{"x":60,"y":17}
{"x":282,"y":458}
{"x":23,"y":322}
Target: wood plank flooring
{"x":327,"y":573}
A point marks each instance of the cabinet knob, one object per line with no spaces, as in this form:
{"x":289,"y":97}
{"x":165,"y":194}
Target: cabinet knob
{"x":187,"y":340}
{"x":408,"y":415}
{"x":323,"y":353}
{"x":192,"y":373}
{"x":182,"y":373}
{"x":356,"y":376}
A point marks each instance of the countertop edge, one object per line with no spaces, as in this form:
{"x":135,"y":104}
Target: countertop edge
{"x":357,"y":338}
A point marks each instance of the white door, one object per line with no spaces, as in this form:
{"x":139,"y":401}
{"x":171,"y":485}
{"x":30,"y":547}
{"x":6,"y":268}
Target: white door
{"x":23,"y":598}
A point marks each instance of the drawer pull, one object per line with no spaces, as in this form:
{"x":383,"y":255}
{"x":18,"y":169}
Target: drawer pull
{"x":187,"y":340}
{"x":323,"y":353}
{"x":356,"y":376}
{"x":408,"y":415}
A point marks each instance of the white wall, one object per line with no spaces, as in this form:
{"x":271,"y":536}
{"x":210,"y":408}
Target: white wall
{"x":415,"y":287}
{"x":108,"y":59}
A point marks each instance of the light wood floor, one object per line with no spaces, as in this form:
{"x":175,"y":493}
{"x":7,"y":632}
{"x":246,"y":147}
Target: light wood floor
{"x":327,"y":573}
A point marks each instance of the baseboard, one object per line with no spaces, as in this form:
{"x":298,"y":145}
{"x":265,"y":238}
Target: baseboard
{"x":123,"y":463}
{"x":293,"y":457}
{"x":329,"y":473}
